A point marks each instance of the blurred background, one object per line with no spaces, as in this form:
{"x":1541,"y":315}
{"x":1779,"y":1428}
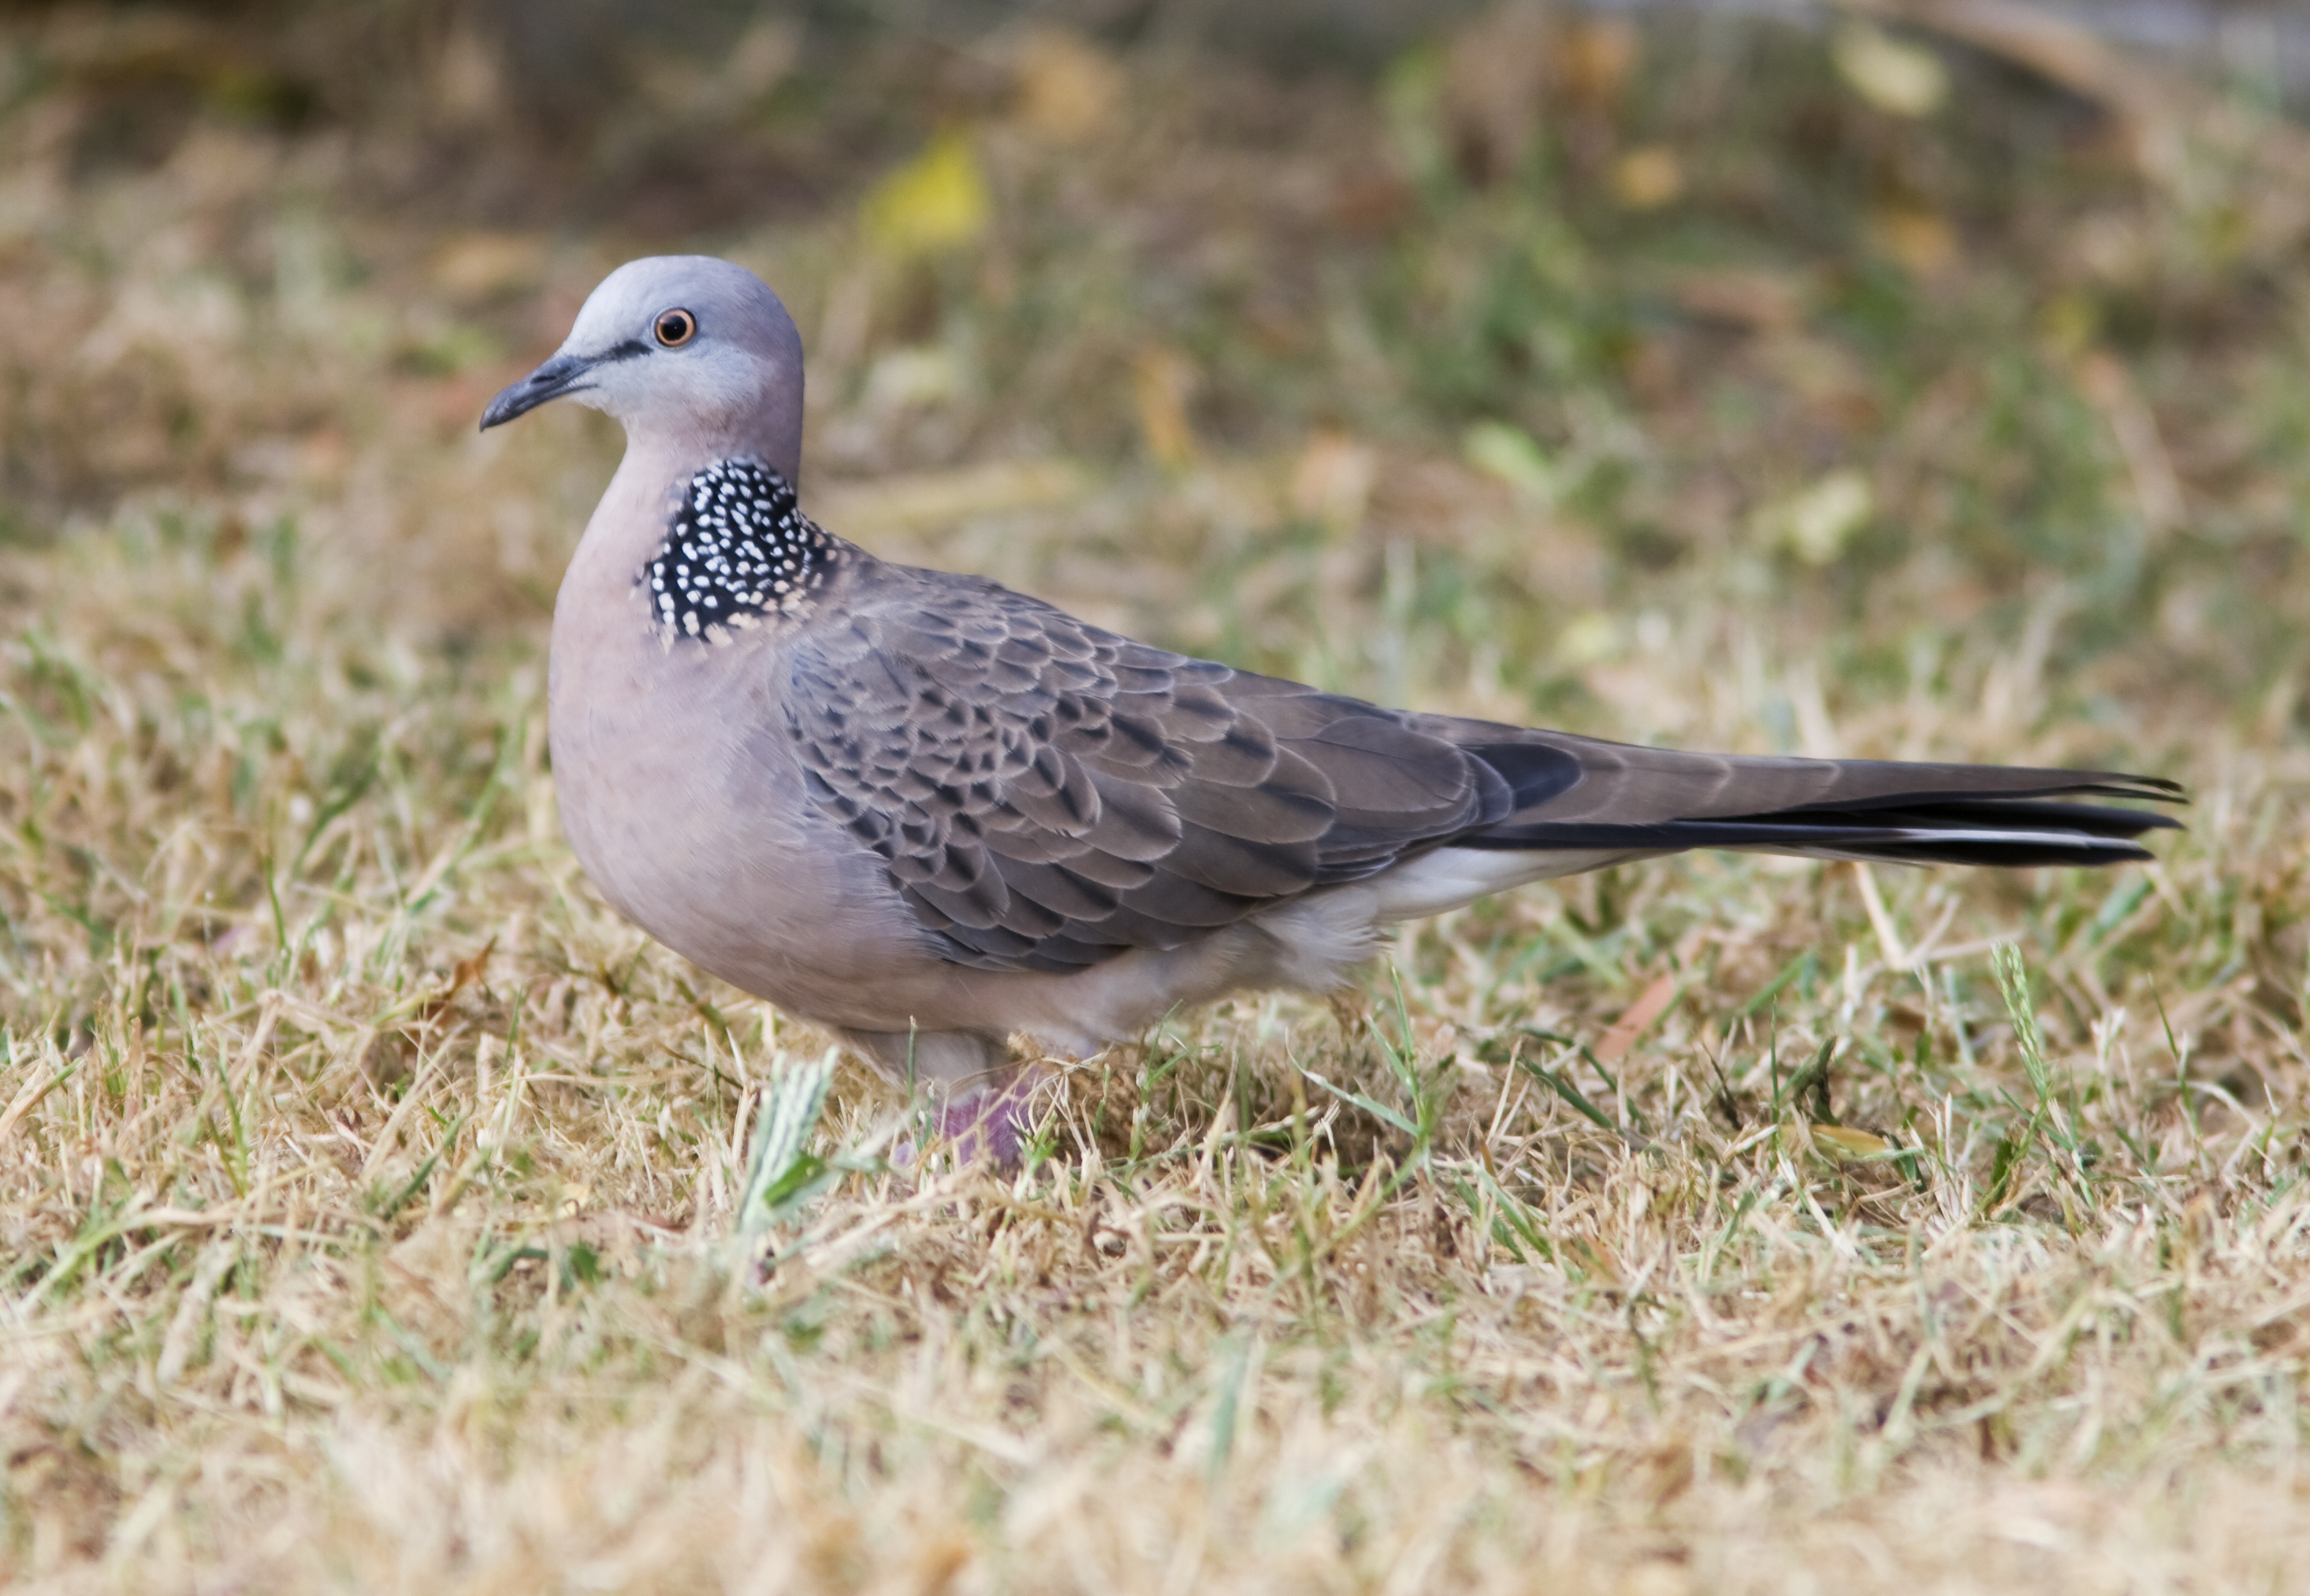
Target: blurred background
{"x":1461,"y":352}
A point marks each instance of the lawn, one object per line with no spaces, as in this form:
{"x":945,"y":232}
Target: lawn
{"x":380,"y":1211}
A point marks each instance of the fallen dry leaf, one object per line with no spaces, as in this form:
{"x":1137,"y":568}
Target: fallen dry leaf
{"x":1637,"y":1020}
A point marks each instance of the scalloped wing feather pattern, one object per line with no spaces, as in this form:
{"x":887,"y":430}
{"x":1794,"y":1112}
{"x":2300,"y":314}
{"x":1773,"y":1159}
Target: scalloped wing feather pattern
{"x":1048,"y":794}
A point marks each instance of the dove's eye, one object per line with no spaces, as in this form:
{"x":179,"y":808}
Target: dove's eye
{"x":675,"y":328}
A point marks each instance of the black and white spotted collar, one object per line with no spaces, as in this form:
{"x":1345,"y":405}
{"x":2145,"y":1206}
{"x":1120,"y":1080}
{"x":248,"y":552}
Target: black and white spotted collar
{"x":739,"y":551}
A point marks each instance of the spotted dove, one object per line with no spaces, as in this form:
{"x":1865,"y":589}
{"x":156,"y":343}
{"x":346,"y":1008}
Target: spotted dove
{"x":932,"y":815}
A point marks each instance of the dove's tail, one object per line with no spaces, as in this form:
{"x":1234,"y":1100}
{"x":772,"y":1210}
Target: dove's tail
{"x":1649,"y":800}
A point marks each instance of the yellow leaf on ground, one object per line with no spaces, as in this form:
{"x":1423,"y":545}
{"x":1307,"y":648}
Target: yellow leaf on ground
{"x":936,"y":202}
{"x":1650,"y":1005}
{"x":1838,"y":1141}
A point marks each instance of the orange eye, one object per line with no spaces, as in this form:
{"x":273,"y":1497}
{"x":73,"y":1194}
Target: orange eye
{"x":675,"y":328}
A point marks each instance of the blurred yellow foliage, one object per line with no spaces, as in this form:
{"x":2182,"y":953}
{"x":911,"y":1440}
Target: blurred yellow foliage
{"x":1921,"y":241}
{"x":1161,"y":381}
{"x":1331,"y":481}
{"x":2070,"y":322}
{"x":1590,"y":638}
{"x":936,"y":202}
{"x":908,"y":502}
{"x":1068,"y":88}
{"x":1900,"y":78}
{"x":480,"y":265}
{"x":1511,"y":455}
{"x":1647,"y":179}
{"x":1595,"y":57}
{"x":1815,"y":523}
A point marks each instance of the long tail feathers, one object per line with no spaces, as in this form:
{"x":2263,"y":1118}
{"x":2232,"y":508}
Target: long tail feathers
{"x":1915,"y":814}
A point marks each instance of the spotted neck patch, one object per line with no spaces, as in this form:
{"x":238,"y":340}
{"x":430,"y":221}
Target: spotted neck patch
{"x":740,"y":550}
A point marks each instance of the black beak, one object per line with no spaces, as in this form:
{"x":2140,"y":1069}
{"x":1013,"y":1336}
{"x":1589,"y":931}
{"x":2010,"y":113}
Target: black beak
{"x":563,"y":374}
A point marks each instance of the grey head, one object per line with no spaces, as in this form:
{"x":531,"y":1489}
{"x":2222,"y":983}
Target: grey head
{"x":686,"y":351}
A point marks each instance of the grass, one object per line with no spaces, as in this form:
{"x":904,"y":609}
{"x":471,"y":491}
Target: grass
{"x":381,"y":1212}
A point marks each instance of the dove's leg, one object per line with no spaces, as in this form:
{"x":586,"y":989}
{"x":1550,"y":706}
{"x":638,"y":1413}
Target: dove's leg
{"x":996,"y":1120}
{"x":950,"y":1063}
{"x":980,"y":1091}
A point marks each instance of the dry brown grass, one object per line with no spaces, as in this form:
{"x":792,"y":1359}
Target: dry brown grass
{"x":371,"y":1198}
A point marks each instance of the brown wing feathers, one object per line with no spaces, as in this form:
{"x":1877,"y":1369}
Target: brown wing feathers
{"x":1048,"y":794}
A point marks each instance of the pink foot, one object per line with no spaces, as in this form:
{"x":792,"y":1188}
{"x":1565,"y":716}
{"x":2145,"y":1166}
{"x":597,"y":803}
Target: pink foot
{"x":993,"y":1121}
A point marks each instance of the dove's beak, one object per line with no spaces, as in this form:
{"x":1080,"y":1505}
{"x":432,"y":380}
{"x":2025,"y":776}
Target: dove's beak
{"x":565,"y":373}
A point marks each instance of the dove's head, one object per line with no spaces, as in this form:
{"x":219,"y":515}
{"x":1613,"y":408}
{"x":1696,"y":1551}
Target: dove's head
{"x":681,"y":349}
